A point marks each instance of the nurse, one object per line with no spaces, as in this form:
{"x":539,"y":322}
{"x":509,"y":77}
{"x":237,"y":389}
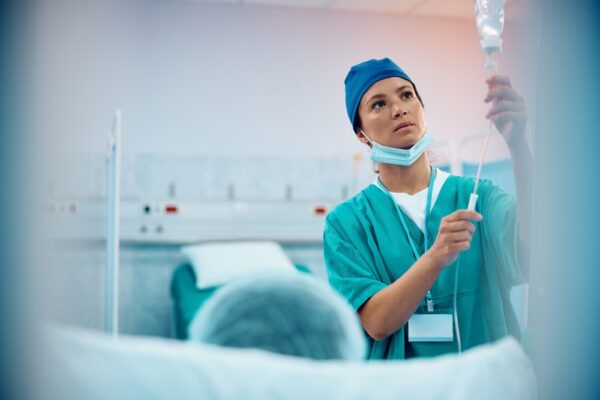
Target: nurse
{"x":396,"y":250}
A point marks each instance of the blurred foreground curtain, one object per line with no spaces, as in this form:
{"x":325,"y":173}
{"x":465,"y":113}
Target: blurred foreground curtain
{"x":564,"y":294}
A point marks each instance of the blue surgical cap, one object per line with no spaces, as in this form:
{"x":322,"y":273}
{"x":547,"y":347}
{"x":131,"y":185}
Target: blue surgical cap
{"x":286,"y":313}
{"x":362,"y":76}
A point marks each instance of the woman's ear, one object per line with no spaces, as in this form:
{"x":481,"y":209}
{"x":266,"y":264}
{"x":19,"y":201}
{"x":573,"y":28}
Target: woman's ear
{"x":361,"y":137}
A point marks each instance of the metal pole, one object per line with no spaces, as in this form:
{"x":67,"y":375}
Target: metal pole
{"x":113,"y":195}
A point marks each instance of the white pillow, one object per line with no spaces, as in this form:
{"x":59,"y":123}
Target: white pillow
{"x":218,"y":263}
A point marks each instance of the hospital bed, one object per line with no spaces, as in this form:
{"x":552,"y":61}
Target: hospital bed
{"x":90,"y":365}
{"x":187,"y":298}
{"x":211,"y":265}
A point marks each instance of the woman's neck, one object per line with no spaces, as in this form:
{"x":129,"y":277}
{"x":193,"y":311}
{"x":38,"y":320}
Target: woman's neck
{"x":411,"y":179}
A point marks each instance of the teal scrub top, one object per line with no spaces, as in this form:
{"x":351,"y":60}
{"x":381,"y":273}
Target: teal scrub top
{"x":366,"y":249}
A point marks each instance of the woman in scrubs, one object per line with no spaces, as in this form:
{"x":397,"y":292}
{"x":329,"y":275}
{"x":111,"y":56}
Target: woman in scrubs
{"x":394,"y":250}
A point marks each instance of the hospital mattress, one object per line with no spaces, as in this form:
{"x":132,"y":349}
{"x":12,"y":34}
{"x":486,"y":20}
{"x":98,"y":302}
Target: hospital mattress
{"x":94,"y":366}
{"x":187,"y":298}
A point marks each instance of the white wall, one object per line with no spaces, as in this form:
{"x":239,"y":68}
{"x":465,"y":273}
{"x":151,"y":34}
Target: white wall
{"x":227,"y":80}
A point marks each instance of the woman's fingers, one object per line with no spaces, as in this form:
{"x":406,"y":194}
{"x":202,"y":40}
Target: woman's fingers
{"x":498,"y":80}
{"x":455,"y":234}
{"x":504,"y":106}
{"x":501,"y":92}
{"x":460,"y":246}
{"x":502,"y":118}
{"x":457,"y":237}
{"x":458,"y":226}
{"x":463,"y":215}
{"x":508,"y":112}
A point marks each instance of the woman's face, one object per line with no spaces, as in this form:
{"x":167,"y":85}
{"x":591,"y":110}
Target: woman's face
{"x":391,"y":114}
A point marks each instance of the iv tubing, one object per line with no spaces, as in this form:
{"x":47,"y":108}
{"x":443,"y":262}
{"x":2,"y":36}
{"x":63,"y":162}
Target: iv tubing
{"x":456,"y":327}
{"x":485,"y":146}
{"x":472,"y":202}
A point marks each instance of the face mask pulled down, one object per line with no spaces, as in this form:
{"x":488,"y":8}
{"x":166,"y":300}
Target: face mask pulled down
{"x":393,"y":155}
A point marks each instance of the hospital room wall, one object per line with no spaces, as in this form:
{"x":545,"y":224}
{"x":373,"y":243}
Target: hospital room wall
{"x":76,"y":284}
{"x":210,"y":79}
{"x":204,"y":79}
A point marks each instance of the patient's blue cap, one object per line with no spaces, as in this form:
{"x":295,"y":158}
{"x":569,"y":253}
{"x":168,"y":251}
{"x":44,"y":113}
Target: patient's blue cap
{"x":362,"y":76}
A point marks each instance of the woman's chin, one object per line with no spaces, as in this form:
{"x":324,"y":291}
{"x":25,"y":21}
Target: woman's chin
{"x":408,"y":141}
{"x":405,"y":147}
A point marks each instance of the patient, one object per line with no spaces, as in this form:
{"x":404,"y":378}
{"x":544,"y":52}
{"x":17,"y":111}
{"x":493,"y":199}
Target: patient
{"x":287,"y":313}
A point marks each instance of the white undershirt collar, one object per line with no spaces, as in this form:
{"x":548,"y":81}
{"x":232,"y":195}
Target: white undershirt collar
{"x":414,"y":205}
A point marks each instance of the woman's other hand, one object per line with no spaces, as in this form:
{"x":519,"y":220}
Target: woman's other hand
{"x":454,"y":236}
{"x":508,"y":111}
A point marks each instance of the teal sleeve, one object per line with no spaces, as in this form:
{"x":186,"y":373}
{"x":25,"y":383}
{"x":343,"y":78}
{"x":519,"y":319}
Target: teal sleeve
{"x":347,"y":270}
{"x":501,"y":233}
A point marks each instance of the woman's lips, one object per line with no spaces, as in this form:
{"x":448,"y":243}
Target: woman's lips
{"x":403,"y":126}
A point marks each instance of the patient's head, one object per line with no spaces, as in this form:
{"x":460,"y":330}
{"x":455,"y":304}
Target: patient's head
{"x":287,"y":313}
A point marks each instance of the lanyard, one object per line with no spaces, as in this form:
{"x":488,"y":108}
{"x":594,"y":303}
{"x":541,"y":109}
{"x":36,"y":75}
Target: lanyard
{"x":428,"y":297}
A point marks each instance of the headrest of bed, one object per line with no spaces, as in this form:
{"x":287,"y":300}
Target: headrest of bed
{"x":217,"y":263}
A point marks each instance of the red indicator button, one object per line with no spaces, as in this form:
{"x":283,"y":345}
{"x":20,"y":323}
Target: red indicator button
{"x":320,"y":210}
{"x":170,"y":209}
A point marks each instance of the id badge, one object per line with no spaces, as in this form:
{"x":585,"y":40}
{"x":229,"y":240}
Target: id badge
{"x":430,"y":327}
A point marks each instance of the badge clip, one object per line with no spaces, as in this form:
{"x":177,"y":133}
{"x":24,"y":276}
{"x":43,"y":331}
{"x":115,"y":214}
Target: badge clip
{"x":429,"y":302}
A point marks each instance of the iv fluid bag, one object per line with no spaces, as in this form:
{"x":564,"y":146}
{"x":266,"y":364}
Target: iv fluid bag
{"x":489,"y":15}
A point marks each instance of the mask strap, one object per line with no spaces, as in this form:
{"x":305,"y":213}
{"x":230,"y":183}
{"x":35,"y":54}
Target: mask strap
{"x":374,"y":164}
{"x":365,"y":135}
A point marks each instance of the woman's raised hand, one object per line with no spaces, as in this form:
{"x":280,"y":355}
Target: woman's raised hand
{"x":508,"y":111}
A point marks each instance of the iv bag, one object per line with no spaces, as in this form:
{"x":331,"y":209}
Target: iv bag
{"x":489,"y":15}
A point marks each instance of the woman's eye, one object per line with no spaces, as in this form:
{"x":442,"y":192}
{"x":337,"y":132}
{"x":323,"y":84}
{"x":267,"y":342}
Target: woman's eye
{"x":406,"y":95}
{"x":378,"y":105}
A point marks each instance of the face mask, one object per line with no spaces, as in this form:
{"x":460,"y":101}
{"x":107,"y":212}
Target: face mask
{"x":392,"y":155}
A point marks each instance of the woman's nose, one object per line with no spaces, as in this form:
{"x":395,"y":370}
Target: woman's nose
{"x":398,"y":110}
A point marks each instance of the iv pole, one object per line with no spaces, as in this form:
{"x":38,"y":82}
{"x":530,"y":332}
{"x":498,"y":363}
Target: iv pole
{"x":113,"y":194}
